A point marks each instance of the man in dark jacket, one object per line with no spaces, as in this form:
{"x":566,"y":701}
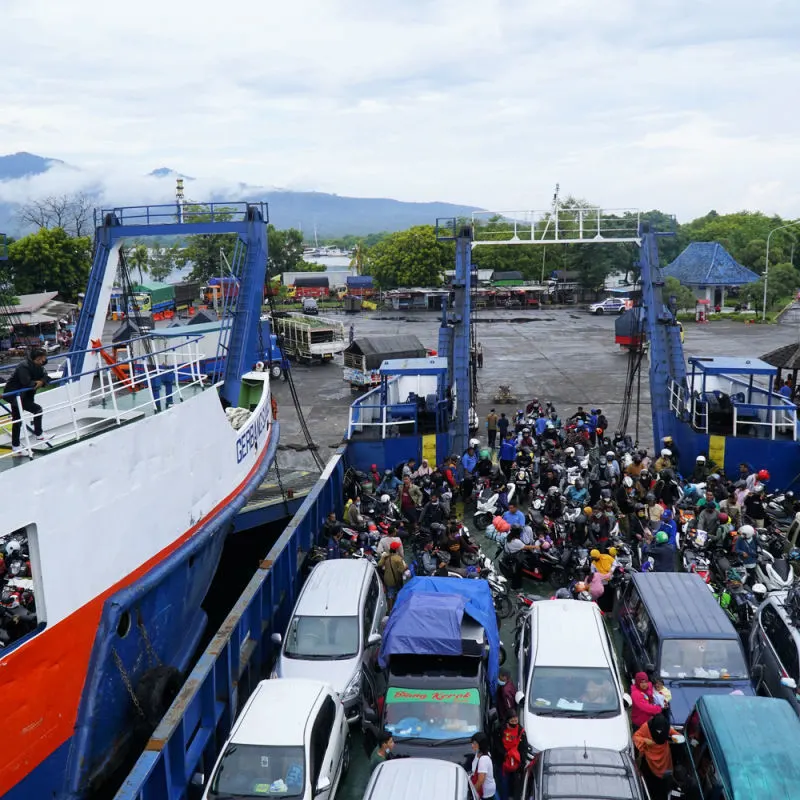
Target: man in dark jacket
{"x":26,"y":379}
{"x":506,"y":696}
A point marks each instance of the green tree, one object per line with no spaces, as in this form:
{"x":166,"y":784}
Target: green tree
{"x":204,"y":251}
{"x":409,"y":258}
{"x":50,"y":260}
{"x":162,"y":261}
{"x":139,"y":257}
{"x":684,"y":297}
{"x":286,"y":251}
{"x":782,"y":283}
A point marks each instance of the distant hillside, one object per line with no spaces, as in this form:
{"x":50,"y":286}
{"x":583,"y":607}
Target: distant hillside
{"x":331,"y":214}
{"x":24,"y":165}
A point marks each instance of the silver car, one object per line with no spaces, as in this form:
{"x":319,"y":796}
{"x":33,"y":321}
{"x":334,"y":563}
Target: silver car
{"x":775,"y":647}
{"x":333,"y":634}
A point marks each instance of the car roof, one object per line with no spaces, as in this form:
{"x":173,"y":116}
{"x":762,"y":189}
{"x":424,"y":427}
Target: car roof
{"x":574,"y":773}
{"x":277,"y":712}
{"x":562,"y":629}
{"x":754,"y":743}
{"x":333,"y":589}
{"x":417,"y":779}
{"x":681,"y":606}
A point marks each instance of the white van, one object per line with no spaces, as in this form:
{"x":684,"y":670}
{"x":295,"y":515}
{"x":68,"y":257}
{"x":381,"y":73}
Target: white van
{"x":572,"y":694}
{"x":419,"y":779}
{"x":333,"y":634}
{"x":291,"y":739}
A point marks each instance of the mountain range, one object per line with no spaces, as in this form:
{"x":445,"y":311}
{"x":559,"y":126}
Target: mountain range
{"x":26,"y":176}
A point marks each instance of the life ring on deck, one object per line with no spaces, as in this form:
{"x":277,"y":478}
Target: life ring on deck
{"x":274,"y":404}
{"x":156,"y":690}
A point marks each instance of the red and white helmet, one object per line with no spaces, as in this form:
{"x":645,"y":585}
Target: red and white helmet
{"x":763,"y":475}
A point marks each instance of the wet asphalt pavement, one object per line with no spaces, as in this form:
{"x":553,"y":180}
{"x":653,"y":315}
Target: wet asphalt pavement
{"x":566,"y":356}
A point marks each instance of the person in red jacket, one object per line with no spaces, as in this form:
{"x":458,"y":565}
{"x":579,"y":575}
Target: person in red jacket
{"x":513,"y":751}
{"x":644,"y":708}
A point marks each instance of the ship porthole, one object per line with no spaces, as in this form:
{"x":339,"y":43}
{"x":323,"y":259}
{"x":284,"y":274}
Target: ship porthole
{"x":124,"y":625}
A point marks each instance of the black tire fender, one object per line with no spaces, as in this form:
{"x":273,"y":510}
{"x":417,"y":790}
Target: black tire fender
{"x":156,"y":690}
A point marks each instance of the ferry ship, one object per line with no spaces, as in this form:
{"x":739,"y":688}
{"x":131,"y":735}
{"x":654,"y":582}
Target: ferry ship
{"x":124,"y":512}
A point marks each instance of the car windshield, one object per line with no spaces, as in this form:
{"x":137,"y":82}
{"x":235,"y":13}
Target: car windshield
{"x":323,"y":638}
{"x":442,"y":714}
{"x":707,"y":659}
{"x":570,"y":691}
{"x":251,"y":771}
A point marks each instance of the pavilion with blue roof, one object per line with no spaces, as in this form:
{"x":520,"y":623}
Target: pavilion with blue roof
{"x":709,"y":269}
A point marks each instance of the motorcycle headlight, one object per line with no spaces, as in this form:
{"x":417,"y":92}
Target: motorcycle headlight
{"x":353,"y":689}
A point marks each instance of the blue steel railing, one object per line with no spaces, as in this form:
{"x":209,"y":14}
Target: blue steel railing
{"x":189,"y":736}
{"x":180,"y":214}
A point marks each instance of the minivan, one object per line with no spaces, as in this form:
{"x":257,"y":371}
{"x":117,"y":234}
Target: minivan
{"x":291,"y":739}
{"x":673,"y":629}
{"x":333,"y":634}
{"x":775,"y":647}
{"x":419,"y":779}
{"x":573,"y":694}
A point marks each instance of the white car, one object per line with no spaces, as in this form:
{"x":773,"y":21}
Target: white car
{"x":612,"y":305}
{"x":291,"y":740}
{"x":333,"y":633}
{"x":573,"y":694}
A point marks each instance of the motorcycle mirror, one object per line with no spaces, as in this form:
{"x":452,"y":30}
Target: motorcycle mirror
{"x":649,"y":666}
{"x":627,"y":699}
{"x":789,"y":683}
{"x":198,"y":779}
{"x":374,"y":638}
{"x":519,"y":697}
{"x":276,"y":639}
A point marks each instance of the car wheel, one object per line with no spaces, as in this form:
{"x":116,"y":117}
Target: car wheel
{"x":622,"y":310}
{"x":598,"y":312}
{"x":346,"y":757}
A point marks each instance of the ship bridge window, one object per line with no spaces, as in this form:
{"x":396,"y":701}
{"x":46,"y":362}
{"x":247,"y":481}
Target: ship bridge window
{"x":21,"y":596}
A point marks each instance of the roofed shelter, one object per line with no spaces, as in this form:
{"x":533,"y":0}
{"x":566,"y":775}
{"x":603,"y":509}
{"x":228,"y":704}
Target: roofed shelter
{"x":709,"y":269}
{"x":787,"y":361}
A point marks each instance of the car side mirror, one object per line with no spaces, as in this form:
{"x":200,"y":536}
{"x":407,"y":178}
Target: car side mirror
{"x":649,"y":667}
{"x":519,"y":697}
{"x":757,"y":673}
{"x":492,"y":716}
{"x":789,"y":683}
{"x":374,"y":638}
{"x":277,"y":639}
{"x":198,"y":779}
{"x":370,"y":715}
{"x":627,"y":699}
{"x":323,"y":785}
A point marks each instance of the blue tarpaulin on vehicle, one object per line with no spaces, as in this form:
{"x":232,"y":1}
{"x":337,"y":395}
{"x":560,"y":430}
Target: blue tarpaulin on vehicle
{"x":418,"y":628}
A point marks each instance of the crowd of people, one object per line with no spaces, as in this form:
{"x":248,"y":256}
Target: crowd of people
{"x":556,"y":485}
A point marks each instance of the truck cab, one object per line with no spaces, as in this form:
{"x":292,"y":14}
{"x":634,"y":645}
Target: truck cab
{"x":433,"y":690}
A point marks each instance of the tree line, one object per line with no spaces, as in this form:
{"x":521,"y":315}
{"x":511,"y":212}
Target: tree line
{"x":57,"y":256}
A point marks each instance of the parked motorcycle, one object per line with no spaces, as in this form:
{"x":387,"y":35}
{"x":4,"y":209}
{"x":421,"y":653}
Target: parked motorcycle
{"x":488,"y":503}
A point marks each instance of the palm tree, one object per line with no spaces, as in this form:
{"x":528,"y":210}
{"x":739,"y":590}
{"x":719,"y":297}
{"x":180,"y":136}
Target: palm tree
{"x":139,"y":257}
{"x":357,"y":260}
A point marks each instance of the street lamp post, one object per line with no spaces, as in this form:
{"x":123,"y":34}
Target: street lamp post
{"x":766,"y":265}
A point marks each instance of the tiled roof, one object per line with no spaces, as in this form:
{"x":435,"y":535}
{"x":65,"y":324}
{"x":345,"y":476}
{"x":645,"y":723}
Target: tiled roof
{"x":708,"y":264}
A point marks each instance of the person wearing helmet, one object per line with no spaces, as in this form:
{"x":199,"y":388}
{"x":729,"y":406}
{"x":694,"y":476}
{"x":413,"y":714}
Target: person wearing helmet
{"x":654,"y":510}
{"x":612,"y":467}
{"x":389,"y":483}
{"x":432,"y":511}
{"x":669,"y":443}
{"x":762,"y":477}
{"x":732,"y":509}
{"x":643,"y":484}
{"x":664,"y":461}
{"x":662,"y":554}
{"x":577,"y":493}
{"x":553,"y":508}
{"x":525,"y":439}
{"x":701,"y":471}
{"x":708,"y":516}
{"x":484,"y":467}
{"x":634,"y":469}
{"x":722,"y":537}
{"x":548,"y":479}
{"x":747,"y":545}
{"x":598,"y":528}
{"x":670,"y":527}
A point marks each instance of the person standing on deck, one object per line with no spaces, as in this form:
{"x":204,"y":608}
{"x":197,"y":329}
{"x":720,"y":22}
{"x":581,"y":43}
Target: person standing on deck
{"x":28,"y":376}
{"x":491,"y":428}
{"x":480,"y":356}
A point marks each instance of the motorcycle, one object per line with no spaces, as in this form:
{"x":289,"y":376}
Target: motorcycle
{"x":776,"y":574}
{"x":523,"y":483}
{"x":540,"y":565}
{"x":489,"y":505}
{"x":693,"y":553}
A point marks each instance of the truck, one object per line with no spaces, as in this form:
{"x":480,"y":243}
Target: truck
{"x":438,"y":670}
{"x":360,"y":286}
{"x":152,"y":298}
{"x":308,"y":339}
{"x":310,"y":286}
{"x":186,"y":294}
{"x":219,"y":291}
{"x":364,"y":356}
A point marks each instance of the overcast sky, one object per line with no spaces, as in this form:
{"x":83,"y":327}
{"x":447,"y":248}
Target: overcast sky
{"x":683,"y":105}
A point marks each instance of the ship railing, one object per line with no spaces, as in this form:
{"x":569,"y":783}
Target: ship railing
{"x":119,"y":392}
{"x":677,"y":398}
{"x":368,"y":415}
{"x":765,"y":421}
{"x":188,"y":739}
{"x":179,"y":213}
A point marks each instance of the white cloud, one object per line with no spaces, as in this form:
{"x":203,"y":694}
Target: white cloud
{"x":673,"y":104}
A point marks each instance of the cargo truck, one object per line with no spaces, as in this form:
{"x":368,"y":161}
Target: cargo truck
{"x":364,"y":356}
{"x":152,"y":298}
{"x":310,"y":286}
{"x":309,"y":339}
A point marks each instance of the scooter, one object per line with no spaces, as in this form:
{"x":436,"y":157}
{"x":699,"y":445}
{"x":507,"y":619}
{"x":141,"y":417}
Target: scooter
{"x":776,"y":574}
{"x":488,"y":505}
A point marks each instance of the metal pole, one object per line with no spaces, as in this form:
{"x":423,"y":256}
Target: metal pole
{"x":766,"y":265}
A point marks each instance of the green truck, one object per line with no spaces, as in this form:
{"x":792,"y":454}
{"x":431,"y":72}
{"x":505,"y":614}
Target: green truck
{"x":308,"y":339}
{"x":152,"y":298}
